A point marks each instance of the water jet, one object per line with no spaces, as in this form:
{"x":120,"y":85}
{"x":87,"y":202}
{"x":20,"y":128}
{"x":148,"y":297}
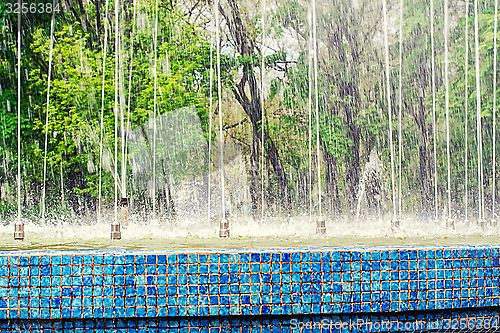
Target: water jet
{"x":124,"y":203}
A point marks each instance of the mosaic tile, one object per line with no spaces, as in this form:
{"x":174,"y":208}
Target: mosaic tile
{"x":343,"y":281}
{"x":486,"y":320}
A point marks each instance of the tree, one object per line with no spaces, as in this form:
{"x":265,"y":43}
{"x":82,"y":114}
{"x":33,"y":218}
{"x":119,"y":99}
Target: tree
{"x":243,"y":37}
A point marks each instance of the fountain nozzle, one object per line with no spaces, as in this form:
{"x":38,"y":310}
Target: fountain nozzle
{"x":450,"y":224}
{"x":115,"y":230}
{"x":493,"y":223}
{"x":19,"y":231}
{"x":321,"y":226}
{"x":224,"y":228}
{"x":395,"y":225}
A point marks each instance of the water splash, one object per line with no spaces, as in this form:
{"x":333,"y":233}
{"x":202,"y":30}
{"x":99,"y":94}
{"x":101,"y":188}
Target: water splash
{"x":64,"y":233}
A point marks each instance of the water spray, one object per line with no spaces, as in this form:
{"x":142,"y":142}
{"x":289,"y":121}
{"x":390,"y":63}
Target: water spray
{"x":124,"y":203}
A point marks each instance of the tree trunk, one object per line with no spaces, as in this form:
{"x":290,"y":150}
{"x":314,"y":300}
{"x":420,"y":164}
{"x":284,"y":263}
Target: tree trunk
{"x":171,"y":205}
{"x":75,"y":180}
{"x":349,"y":89}
{"x":255,"y":192}
{"x":252,"y":105}
{"x":425,"y":182}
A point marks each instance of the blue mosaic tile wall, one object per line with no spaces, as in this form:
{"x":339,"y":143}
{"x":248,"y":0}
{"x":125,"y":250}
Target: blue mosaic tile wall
{"x":305,"y":281}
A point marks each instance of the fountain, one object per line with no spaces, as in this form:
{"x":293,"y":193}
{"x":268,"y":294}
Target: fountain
{"x":208,"y":232}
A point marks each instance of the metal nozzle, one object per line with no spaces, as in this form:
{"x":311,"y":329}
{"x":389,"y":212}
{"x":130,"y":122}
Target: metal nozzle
{"x":493,"y":223}
{"x":450,"y":224}
{"x":481,"y":223}
{"x":224,"y":229}
{"x":115,"y":230}
{"x":320,"y":226}
{"x":19,"y":231}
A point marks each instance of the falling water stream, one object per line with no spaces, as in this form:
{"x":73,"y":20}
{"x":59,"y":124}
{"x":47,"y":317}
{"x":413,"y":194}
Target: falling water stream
{"x":123,"y":161}
{"x":400,"y":134}
{"x":101,"y":135}
{"x":124,"y":137}
{"x":466,"y":104}
{"x":478,"y":106}
{"x":262,"y":76}
{"x":447,"y":101}
{"x":315,"y":54}
{"x":210,"y":112}
{"x":388,"y":83}
{"x":219,"y":98}
{"x":47,"y":116}
{"x":309,"y":111}
{"x":19,"y":114}
{"x":434,"y":112}
{"x":494,"y":109}
{"x":154,"y":108}
{"x":115,"y":108}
